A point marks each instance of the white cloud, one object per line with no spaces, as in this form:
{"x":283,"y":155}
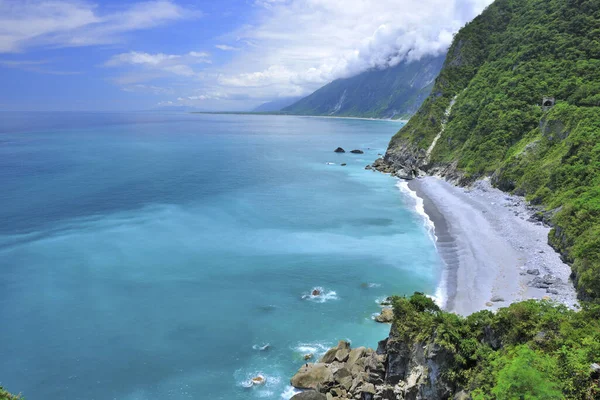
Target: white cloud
{"x":177,"y":64}
{"x":29,"y":23}
{"x":225,"y":47}
{"x":300,"y":45}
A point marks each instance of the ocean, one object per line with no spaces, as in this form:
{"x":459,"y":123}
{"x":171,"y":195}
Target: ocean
{"x":155,"y":255}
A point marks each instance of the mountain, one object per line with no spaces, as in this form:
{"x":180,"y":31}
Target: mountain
{"x":276,"y":105}
{"x":394,"y":92}
{"x":518,"y":100}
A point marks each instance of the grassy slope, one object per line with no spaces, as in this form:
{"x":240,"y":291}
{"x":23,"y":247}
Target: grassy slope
{"x":499,"y":67}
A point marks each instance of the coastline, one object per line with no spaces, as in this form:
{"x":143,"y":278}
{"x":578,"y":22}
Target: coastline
{"x":494,"y":253}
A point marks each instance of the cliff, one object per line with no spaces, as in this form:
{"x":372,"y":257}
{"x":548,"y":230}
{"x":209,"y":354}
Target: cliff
{"x":518,"y":101}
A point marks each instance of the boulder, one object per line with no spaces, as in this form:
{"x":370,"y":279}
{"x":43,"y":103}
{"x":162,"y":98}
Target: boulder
{"x":312,"y":376}
{"x":331,"y":354}
{"x":367,"y":391}
{"x":309,"y":395}
{"x":497,"y":299}
{"x":339,"y":150}
{"x":343,"y":164}
{"x":386,"y":316}
{"x":357,"y":152}
{"x":533,"y":271}
{"x":308,"y":356}
{"x":355,"y":355}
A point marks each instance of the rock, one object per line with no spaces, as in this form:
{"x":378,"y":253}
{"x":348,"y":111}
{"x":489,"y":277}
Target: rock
{"x":343,"y":164}
{"x":367,"y":391}
{"x":489,"y":304}
{"x":386,"y":316}
{"x":533,"y":271}
{"x":331,"y":354}
{"x":386,"y":302}
{"x":462,"y":395}
{"x":357,"y":152}
{"x":339,"y":150}
{"x":497,"y":299}
{"x":355,"y":355}
{"x":308,"y":357}
{"x":595,"y":370}
{"x":258,"y":380}
{"x":309,"y":395}
{"x":544,"y":282}
{"x":312,"y":376}
{"x":316,"y":292}
{"x":369,"y":167}
{"x":552,"y":291}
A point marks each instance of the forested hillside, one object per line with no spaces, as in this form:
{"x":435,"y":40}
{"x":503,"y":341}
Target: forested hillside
{"x":485,"y":117}
{"x":395,"y":92}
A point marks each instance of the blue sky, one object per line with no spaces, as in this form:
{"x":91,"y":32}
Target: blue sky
{"x":212,"y":55}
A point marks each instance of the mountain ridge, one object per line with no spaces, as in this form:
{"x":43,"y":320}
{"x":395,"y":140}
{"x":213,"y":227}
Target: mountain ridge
{"x":394,"y":92}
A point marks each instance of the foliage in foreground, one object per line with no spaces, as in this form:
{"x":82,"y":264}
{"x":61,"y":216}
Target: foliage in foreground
{"x":4,"y":395}
{"x":529,"y":350}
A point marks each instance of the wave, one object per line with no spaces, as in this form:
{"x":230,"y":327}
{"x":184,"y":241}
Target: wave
{"x":289,"y":392}
{"x":317,"y":349}
{"x":440,"y":296}
{"x":320,"y":295}
{"x":262,"y":347}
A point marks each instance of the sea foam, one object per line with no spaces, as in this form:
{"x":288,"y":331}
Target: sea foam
{"x":440,"y":295}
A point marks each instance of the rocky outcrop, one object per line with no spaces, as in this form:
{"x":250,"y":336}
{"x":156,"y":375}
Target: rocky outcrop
{"x":357,"y":152}
{"x":404,"y":160}
{"x":339,"y":150}
{"x":386,"y":316}
{"x":396,"y":371}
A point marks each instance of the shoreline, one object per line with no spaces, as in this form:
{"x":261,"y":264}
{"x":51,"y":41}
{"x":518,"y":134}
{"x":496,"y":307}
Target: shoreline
{"x":494,"y":253}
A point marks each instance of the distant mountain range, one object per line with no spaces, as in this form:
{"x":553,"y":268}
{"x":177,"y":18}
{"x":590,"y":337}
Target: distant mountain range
{"x":395,"y":92}
{"x":276,"y":105}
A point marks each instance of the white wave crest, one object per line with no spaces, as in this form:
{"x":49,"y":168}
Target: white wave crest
{"x":289,"y":392}
{"x":320,"y":295}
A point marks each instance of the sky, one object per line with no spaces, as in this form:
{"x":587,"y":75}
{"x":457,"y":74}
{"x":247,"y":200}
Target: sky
{"x":226,"y":55}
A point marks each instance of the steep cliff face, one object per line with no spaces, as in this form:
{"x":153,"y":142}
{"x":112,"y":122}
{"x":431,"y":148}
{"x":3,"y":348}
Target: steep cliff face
{"x":393,"y":92}
{"x":485,"y":118}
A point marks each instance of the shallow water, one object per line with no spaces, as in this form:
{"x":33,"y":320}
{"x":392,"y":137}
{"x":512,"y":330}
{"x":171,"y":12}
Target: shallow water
{"x":152,"y":255}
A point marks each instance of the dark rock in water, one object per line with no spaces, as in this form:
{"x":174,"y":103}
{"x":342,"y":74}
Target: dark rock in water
{"x":357,"y":152}
{"x":309,"y":395}
{"x":316,"y":292}
{"x":497,"y":299}
{"x":343,"y":165}
{"x":369,"y":167}
{"x":339,"y":150}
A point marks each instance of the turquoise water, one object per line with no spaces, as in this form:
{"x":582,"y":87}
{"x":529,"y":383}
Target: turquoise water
{"x":143,"y":256}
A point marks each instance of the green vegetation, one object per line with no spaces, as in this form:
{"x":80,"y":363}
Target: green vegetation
{"x":499,"y":67}
{"x":4,"y":395}
{"x":378,"y":93}
{"x":530,"y":350}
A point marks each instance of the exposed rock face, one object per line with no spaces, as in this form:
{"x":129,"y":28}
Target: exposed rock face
{"x":339,"y":150}
{"x":396,"y":371}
